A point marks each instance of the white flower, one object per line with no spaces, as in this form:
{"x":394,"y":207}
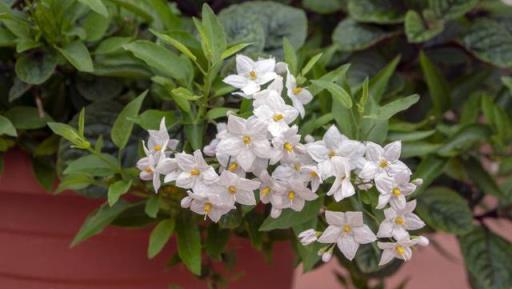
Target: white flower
{"x":311,"y":174}
{"x":342,"y":187}
{"x":298,"y":95}
{"x":398,"y":221}
{"x":348,"y":231}
{"x":308,"y":237}
{"x":327,"y":255}
{"x":276,"y":113}
{"x":211,"y":148}
{"x":393,"y":190}
{"x":287,"y":145}
{"x":383,"y":160}
{"x":334,"y":144}
{"x":268,"y":189}
{"x":159,"y":139}
{"x":251,"y":74}
{"x":237,"y":189}
{"x":148,"y":169}
{"x":294,"y":194}
{"x":275,"y":88}
{"x":194,"y":170}
{"x":400,"y":249}
{"x":207,"y":204}
{"x":245,"y":140}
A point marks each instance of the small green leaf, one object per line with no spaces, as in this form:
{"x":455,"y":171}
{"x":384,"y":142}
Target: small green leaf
{"x":216,"y":241}
{"x":81,"y":122}
{"x":390,"y":109}
{"x":290,"y":218}
{"x":194,"y":134}
{"x":181,"y":99}
{"x":218,"y":112}
{"x":444,"y":210}
{"x":350,"y":35}
{"x":97,"y":6}
{"x":233,"y":50}
{"x":338,"y":93}
{"x":78,"y":55}
{"x":380,"y":81}
{"x":6,"y":127}
{"x":101,"y":165}
{"x":311,"y":63}
{"x":45,"y":173}
{"x":35,"y":69}
{"x":418,"y":31}
{"x":98,"y":220}
{"x":189,"y":243}
{"x":290,"y":56}
{"x":74,"y":182}
{"x":160,"y":236}
{"x":376,"y":11}
{"x":112,"y":45}
{"x":69,"y":133}
{"x":214,"y":33}
{"x":152,"y":206}
{"x":451,"y":9}
{"x":150,"y":119}
{"x":116,"y":190}
{"x":122,"y":128}
{"x":437,"y":85}
{"x":464,"y":139}
{"x":175,"y":43}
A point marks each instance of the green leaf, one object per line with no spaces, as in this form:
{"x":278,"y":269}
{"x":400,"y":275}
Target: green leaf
{"x":116,"y":190}
{"x":324,"y":6}
{"x":98,"y":220}
{"x":163,"y":60}
{"x":181,"y":97}
{"x":410,"y":136}
{"x":464,"y":139}
{"x":78,"y":55}
{"x":150,"y":119}
{"x":81,"y":122}
{"x":376,"y":11}
{"x":122,"y":128}
{"x":451,"y":9}
{"x":234,"y":49}
{"x":26,"y":117}
{"x":390,"y":109}
{"x":165,"y":13}
{"x":35,"y":69}
{"x":44,"y":172}
{"x":428,"y":170}
{"x":444,"y":210}
{"x":311,"y":63}
{"x":112,"y":45}
{"x":97,"y":6}
{"x":350,"y":35}
{"x":160,"y":236}
{"x":308,"y":254}
{"x":48,"y":146}
{"x":437,"y":85}
{"x":418,"y":149}
{"x":69,"y":134}
{"x":380,"y":81}
{"x":152,"y":206}
{"x":264,"y":24}
{"x":290,"y":56}
{"x":175,"y":43}
{"x":290,"y":218}
{"x":214,"y":32}
{"x":218,"y":112}
{"x":74,"y":182}
{"x":102,"y":165}
{"x":194,"y":134}
{"x":216,"y":241}
{"x":189,"y":243}
{"x":6,"y":127}
{"x":338,"y":93}
{"x":490,"y":41}
{"x":420,"y":30}
{"x":488,"y":257}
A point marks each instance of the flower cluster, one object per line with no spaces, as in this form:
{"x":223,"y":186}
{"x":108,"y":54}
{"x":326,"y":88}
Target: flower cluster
{"x":264,"y":154}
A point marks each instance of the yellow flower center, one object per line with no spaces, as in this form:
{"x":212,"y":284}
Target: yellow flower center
{"x":246,"y":139}
{"x":383,"y":164}
{"x":296,"y":90}
{"x":232,"y":189}
{"x":399,"y":220}
{"x":297,"y":166}
{"x":396,"y":192}
{"x":157,"y":148}
{"x":288,"y":147}
{"x":400,"y":250}
{"x":313,"y":174}
{"x":291,"y":195}
{"x":148,"y":169}
{"x":195,"y":172}
{"x":347,"y":228}
{"x":207,"y":207}
{"x":232,"y":167}
{"x":265,"y":191}
{"x":252,"y":75}
{"x":277,"y":117}
{"x":332,"y":153}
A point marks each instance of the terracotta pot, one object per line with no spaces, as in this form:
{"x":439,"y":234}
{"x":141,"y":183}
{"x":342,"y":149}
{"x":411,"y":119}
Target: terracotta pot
{"x":36,"y":229}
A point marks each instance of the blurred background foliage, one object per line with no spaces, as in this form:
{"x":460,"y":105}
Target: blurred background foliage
{"x":58,"y":56}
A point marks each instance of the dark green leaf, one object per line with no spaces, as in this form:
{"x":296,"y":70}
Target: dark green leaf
{"x":420,"y":30}
{"x":152,"y":206}
{"x":465,"y":138}
{"x":290,"y":218}
{"x":160,"y":236}
{"x":97,"y":6}
{"x":26,"y":117}
{"x":437,"y":85}
{"x":6,"y":127}
{"x":429,"y":169}
{"x":451,"y":9}
{"x":36,"y":68}
{"x":122,"y":128}
{"x":216,"y":242}
{"x":78,"y":55}
{"x":189,"y":243}
{"x":376,"y":11}
{"x":118,"y":189}
{"x":350,"y":35}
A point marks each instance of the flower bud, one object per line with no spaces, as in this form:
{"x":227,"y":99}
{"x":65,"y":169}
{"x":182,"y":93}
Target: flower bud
{"x":326,"y":257}
{"x":281,"y":68}
{"x":307,"y":237}
{"x":418,"y":182}
{"x":422,"y":241}
{"x":186,"y":201}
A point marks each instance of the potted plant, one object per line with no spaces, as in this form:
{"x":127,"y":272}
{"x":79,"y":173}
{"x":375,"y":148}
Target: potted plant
{"x":223,"y":143}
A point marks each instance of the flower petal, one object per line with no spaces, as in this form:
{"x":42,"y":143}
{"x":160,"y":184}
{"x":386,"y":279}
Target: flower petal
{"x":330,"y":235}
{"x":348,"y":246}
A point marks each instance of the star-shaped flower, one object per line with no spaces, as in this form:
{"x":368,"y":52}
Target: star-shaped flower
{"x":398,"y":221}
{"x":382,"y":160}
{"x":237,"y":189}
{"x":251,"y":74}
{"x":194,"y":170}
{"x":400,"y":249}
{"x":342,"y":187}
{"x":298,"y":95}
{"x":348,"y":231}
{"x":394,"y":189}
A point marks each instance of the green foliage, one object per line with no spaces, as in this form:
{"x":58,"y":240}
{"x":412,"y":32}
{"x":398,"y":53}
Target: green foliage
{"x":189,"y":243}
{"x":160,"y":236}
